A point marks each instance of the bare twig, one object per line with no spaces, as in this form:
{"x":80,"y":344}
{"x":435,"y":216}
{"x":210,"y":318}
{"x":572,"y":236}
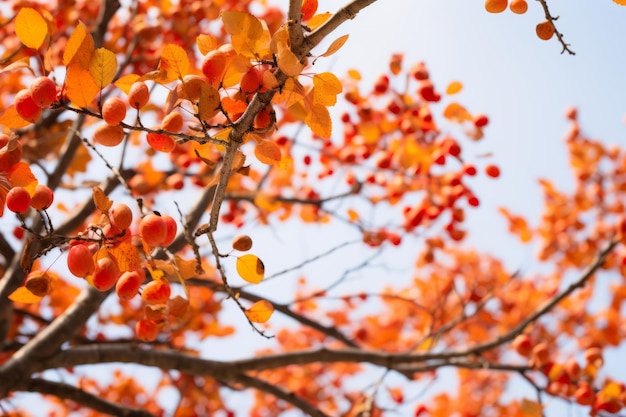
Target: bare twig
{"x":558,"y":34}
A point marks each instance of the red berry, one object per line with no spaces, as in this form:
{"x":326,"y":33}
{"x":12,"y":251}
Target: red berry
{"x":18,"y":200}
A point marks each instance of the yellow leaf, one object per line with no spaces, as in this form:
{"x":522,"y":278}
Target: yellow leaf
{"x":354,"y":74}
{"x":288,"y":62}
{"x":250,"y":268}
{"x":206,"y":43}
{"x":11,"y":119}
{"x":23,"y":295}
{"x":80,"y":86}
{"x":124,"y":83}
{"x":174,"y":61}
{"x":531,"y":408}
{"x":126,"y":255}
{"x":103,"y":66}
{"x":79,"y":47}
{"x":457,"y":113}
{"x":318,"y":119}
{"x":326,"y":87}
{"x":102,"y":202}
{"x":268,"y":152}
{"x":454,"y":87}
{"x":30,"y":27}
{"x":336,"y":45}
{"x":318,"y":20}
{"x":260,"y":312}
{"x":249,"y":36}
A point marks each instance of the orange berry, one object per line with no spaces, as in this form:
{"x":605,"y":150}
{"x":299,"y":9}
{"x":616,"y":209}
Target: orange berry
{"x":106,"y":274}
{"x":18,"y":200}
{"x":128,"y":284}
{"x":138,"y":95}
{"x":80,"y":260}
{"x":493,"y":171}
{"x":173,"y":122}
{"x":518,"y":6}
{"x":157,"y":291}
{"x":545,"y":30}
{"x":121,"y":216}
{"x":42,"y":197}
{"x":147,"y":330}
{"x":43,"y":91}
{"x":113,"y":110}
{"x":251,"y":81}
{"x":540,"y":354}
{"x":160,"y":142}
{"x":496,"y":6}
{"x":523,"y":344}
{"x":584,"y":394}
{"x":153,"y":229}
{"x":170,"y":230}
{"x":108,"y":135}
{"x":216,"y":62}
{"x":26,"y":106}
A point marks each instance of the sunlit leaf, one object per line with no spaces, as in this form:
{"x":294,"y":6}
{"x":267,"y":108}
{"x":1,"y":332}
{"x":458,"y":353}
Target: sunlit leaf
{"x":102,"y":67}
{"x":318,"y":20}
{"x":206,"y":43}
{"x":335,"y":46}
{"x":174,"y":61}
{"x":620,"y":2}
{"x":23,"y":295}
{"x":318,"y":119}
{"x":249,"y":36}
{"x":327,"y":86}
{"x":456,"y":113}
{"x":79,"y":47}
{"x":11,"y":119}
{"x":124,"y":83}
{"x":208,"y":102}
{"x":186,"y":267}
{"x":80,"y":86}
{"x":126,"y":255}
{"x":250,"y":268}
{"x":30,"y":27}
{"x":102,"y":202}
{"x":288,"y":62}
{"x":454,"y":87}
{"x":260,"y":312}
{"x":531,"y":408}
{"x":268,"y":152}
{"x":20,"y":175}
{"x":21,"y":63}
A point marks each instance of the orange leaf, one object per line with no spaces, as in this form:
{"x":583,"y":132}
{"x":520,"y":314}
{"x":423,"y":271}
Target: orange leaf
{"x":80,"y":86}
{"x":124,"y":83}
{"x":335,"y":46}
{"x":457,"y":113}
{"x":249,"y":36}
{"x":209,"y":101}
{"x":206,"y":43}
{"x":11,"y":119}
{"x":620,"y":2}
{"x":20,"y":175}
{"x":260,"y":312}
{"x":250,"y":268}
{"x":318,"y":20}
{"x":23,"y":295}
{"x":318,"y":119}
{"x":30,"y":27}
{"x":268,"y":152}
{"x":21,"y":63}
{"x":326,"y":87}
{"x":187,"y":268}
{"x":102,"y":202}
{"x":79,"y":47}
{"x":126,"y":255}
{"x":175,"y":62}
{"x":454,"y":87}
{"x":103,"y":66}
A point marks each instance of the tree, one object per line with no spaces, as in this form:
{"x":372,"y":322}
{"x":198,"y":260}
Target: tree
{"x":140,"y":140}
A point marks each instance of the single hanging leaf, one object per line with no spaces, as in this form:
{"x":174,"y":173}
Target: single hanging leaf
{"x":326,"y":87}
{"x":268,"y":152}
{"x":318,"y":119}
{"x":206,"y":43}
{"x":79,"y":47}
{"x":335,"y":46}
{"x":17,"y":65}
{"x":30,"y":27}
{"x":102,"y":67}
{"x":102,"y":202}
{"x":318,"y":20}
{"x":23,"y":295}
{"x":454,"y":87}
{"x":175,"y":62}
{"x":260,"y":312}
{"x":80,"y":86}
{"x":250,"y":268}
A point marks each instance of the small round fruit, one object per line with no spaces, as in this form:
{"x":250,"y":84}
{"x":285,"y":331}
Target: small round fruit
{"x":157,"y":291}
{"x":113,"y":110}
{"x":138,"y":95}
{"x":251,"y":81}
{"x":160,"y":142}
{"x":545,"y":30}
{"x":518,"y":6}
{"x":242,"y":243}
{"x":26,"y":106}
{"x":496,"y":6}
{"x":153,"y":229}
{"x":173,"y":122}
{"x":39,"y":283}
{"x":215,"y":63}
{"x":80,"y":261}
{"x":18,"y":200}
{"x":43,"y":91}
{"x":106,"y":274}
{"x":128,"y":284}
{"x":523,"y":345}
{"x":42,"y":197}
{"x":108,"y":135}
{"x":147,"y":330}
{"x":121,"y":216}
{"x":493,"y":171}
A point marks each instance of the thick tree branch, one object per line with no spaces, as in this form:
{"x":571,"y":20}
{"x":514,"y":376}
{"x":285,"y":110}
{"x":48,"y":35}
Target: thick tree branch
{"x":71,"y":393}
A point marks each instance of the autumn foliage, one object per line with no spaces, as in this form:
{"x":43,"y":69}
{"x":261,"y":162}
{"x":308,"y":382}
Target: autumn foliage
{"x":146,"y":150}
